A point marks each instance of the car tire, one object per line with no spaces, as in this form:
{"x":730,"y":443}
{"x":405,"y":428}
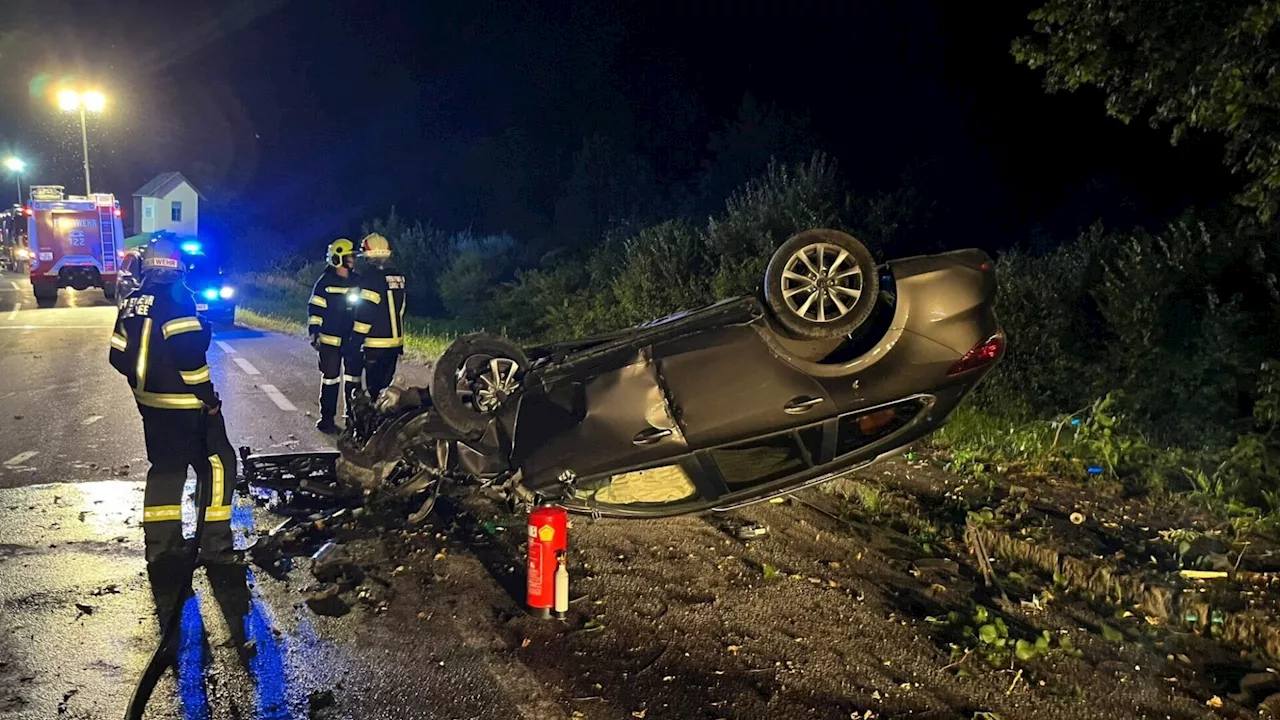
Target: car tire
{"x":45,"y":297}
{"x":459,"y":413}
{"x":821,"y":284}
{"x":109,"y":291}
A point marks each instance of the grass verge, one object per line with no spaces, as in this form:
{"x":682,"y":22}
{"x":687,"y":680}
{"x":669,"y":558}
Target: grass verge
{"x":423,"y":343}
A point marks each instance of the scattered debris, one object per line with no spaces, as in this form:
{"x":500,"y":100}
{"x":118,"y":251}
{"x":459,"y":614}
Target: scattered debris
{"x":318,"y":701}
{"x":328,"y":602}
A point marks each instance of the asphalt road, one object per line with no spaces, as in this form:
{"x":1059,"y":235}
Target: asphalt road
{"x":77,"y":621}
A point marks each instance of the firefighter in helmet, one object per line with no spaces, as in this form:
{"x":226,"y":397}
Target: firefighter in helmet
{"x":159,"y":345}
{"x":329,"y":323}
{"x":380,"y":314}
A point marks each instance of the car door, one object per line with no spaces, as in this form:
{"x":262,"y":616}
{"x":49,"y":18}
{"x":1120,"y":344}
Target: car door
{"x":726,"y":385}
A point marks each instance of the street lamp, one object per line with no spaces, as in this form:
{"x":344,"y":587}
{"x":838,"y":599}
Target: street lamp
{"x":16,"y":166}
{"x":90,"y":100}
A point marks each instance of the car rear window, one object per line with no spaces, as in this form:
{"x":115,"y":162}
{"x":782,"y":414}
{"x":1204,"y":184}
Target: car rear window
{"x":857,"y":430}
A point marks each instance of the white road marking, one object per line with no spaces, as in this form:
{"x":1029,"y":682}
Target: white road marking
{"x":91,"y":420}
{"x":14,"y":283}
{"x":55,"y":327}
{"x":278,"y":398}
{"x":225,"y":347}
{"x":246,"y":366}
{"x":20,"y":458}
{"x":14,"y":312}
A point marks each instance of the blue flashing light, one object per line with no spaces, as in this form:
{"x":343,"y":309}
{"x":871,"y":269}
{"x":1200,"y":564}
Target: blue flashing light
{"x":191,"y":247}
{"x":210,"y":293}
{"x":1075,"y":422}
{"x":1094,"y":470}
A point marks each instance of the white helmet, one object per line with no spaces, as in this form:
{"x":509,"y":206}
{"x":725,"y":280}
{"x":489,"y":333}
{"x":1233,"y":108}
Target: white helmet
{"x":375,"y":246}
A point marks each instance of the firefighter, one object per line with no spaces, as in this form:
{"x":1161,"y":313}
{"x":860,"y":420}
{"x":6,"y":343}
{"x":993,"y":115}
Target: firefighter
{"x":159,"y":345}
{"x":331,"y":314}
{"x":380,"y":314}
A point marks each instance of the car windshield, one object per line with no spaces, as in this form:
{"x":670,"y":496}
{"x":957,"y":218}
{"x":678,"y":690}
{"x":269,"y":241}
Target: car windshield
{"x":200,"y":271}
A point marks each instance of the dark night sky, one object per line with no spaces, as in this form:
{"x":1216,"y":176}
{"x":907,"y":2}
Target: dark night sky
{"x":311,"y":120}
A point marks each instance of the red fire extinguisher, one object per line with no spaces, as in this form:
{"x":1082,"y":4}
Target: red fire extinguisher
{"x":548,"y":542}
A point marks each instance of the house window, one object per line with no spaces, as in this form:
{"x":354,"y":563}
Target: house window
{"x":175,"y":211}
{"x":148,"y":211}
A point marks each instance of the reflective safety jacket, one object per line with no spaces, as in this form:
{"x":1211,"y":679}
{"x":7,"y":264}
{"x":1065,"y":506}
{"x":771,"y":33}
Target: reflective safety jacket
{"x":159,"y":345}
{"x":380,"y":311}
{"x":330,"y":311}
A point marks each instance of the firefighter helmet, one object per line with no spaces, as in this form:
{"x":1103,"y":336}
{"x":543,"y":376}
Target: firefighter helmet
{"x":339,"y":250}
{"x":375,"y":246}
{"x":163,"y":254}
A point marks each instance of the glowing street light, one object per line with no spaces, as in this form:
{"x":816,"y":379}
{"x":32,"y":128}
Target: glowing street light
{"x":16,"y":166}
{"x":91,"y":100}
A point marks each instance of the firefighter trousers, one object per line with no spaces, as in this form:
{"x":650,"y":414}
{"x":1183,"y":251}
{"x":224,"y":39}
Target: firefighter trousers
{"x":174,"y":443}
{"x":339,"y":366}
{"x":379,"y":369}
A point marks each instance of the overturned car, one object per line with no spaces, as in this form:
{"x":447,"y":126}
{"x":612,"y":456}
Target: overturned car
{"x":834,"y":364}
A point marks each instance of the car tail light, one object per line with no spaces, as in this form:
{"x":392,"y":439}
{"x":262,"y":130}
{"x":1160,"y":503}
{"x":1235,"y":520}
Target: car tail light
{"x":981,"y":355}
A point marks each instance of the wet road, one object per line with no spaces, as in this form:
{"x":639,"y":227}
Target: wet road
{"x":76,"y":615}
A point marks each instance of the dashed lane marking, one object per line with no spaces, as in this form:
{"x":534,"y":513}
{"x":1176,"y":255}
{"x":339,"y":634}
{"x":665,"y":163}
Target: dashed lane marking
{"x":91,"y":420}
{"x":246,"y":366}
{"x":20,"y":458}
{"x":278,"y":398}
{"x":226,"y":348}
{"x":13,"y":314}
{"x":14,"y":283}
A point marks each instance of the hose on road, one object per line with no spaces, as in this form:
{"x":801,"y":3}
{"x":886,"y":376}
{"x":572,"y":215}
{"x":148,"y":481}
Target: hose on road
{"x":162,"y":657}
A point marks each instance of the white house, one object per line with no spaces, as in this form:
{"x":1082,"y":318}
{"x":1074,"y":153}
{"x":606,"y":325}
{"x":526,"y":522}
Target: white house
{"x":169,"y":202}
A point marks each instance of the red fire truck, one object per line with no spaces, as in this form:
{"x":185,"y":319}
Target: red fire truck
{"x":73,"y":240}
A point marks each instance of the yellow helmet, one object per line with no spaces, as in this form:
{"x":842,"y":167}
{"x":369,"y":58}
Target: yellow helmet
{"x":339,"y":249}
{"x":375,"y":246}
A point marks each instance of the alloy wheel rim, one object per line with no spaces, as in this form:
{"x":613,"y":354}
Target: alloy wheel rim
{"x":820,"y":283}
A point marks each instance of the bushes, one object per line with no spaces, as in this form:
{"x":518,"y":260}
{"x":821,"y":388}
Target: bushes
{"x":767,"y":211}
{"x":478,"y":267}
{"x":1158,"y":317}
{"x":639,"y":276}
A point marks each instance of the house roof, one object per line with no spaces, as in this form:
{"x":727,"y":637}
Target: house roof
{"x":162,"y":184}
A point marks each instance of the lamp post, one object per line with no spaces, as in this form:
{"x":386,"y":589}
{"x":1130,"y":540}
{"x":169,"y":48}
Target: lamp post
{"x":90,"y":100}
{"x":16,"y":167}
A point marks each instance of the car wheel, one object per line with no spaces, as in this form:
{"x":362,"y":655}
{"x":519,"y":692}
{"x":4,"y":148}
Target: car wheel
{"x":473,"y":380}
{"x":821,"y":284}
{"x":109,"y":291}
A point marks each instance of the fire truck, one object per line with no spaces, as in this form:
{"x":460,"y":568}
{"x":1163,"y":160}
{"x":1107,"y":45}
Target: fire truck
{"x":73,"y":241}
{"x":13,"y":239}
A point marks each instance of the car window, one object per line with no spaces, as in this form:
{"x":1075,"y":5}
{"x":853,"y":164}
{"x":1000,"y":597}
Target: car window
{"x":857,"y":430}
{"x":663,"y":485}
{"x":761,"y":461}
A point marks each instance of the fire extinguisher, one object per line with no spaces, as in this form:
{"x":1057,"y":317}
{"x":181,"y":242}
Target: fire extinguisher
{"x":548,"y":546}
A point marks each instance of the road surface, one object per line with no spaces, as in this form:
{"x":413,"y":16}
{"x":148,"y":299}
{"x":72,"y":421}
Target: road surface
{"x":72,"y":462}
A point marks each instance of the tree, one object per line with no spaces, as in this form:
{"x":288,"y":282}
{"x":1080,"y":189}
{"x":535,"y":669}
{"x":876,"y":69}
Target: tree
{"x":1187,"y":64}
{"x":744,"y":147}
{"x":609,"y":187}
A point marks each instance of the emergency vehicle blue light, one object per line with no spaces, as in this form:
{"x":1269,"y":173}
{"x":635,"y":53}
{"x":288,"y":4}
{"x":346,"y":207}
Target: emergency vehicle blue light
{"x":191,"y":248}
{"x":1094,"y":470}
{"x":210,"y":294}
